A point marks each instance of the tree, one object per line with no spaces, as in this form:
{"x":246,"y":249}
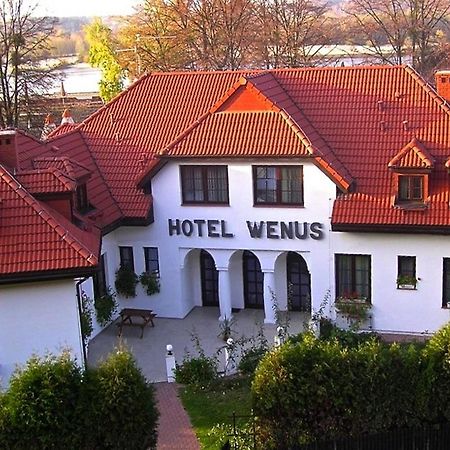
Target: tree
{"x":103,"y":56}
{"x":23,"y":39}
{"x":400,"y":31}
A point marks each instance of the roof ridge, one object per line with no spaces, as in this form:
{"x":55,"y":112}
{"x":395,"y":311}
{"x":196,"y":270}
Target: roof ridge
{"x":61,"y":176}
{"x":42,"y":212}
{"x":419,"y":149}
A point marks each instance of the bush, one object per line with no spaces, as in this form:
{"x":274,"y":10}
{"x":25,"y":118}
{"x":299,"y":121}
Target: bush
{"x":126,"y":281}
{"x":250,"y":359}
{"x":315,"y":389}
{"x":52,"y":404}
{"x":123,"y":412}
{"x":199,"y":371}
{"x":39,"y":410}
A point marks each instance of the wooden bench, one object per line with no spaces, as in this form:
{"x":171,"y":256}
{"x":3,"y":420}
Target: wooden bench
{"x":128,"y":318}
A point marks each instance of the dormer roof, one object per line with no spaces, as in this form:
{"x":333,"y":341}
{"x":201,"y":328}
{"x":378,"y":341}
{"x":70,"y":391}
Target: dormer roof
{"x":413,"y":155}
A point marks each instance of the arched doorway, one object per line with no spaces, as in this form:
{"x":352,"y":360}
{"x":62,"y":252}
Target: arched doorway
{"x":253,"y":281}
{"x":299,"y":283}
{"x":210,"y":280}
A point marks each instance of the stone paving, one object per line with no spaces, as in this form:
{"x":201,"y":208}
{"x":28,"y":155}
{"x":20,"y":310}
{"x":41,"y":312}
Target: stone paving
{"x":174,"y":429}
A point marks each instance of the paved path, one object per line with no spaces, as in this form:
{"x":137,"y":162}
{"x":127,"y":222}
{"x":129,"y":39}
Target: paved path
{"x":174,"y":430}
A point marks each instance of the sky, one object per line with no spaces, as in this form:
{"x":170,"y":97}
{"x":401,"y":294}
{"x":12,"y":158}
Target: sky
{"x":67,"y":8}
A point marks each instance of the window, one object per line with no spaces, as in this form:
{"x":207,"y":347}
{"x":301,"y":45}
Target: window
{"x":126,"y":257}
{"x":99,"y":279}
{"x":410,"y":188}
{"x":151,"y":260}
{"x":82,"y":198}
{"x":204,"y":184}
{"x":273,"y":185}
{"x":407,"y":266}
{"x":446,"y":284}
{"x":353,"y":276}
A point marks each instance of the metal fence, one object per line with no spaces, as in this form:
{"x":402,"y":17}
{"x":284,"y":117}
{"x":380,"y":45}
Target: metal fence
{"x":431,"y":438}
{"x":241,"y":437}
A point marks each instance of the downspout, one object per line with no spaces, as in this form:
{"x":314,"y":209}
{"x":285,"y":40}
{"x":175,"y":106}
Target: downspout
{"x":80,"y":310}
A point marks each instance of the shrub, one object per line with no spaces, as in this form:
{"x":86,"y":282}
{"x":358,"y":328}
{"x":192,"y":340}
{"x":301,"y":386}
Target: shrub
{"x":250,"y":359}
{"x":39,"y":410}
{"x":105,"y":307}
{"x":311,"y":389}
{"x":119,"y":406}
{"x":199,"y":371}
{"x":86,"y":318}
{"x":126,"y":281}
{"x":150,"y":282}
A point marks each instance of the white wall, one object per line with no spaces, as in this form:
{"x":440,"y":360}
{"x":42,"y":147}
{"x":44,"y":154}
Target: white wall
{"x":394,"y":309}
{"x":36,"y":318}
{"x":176,"y":299}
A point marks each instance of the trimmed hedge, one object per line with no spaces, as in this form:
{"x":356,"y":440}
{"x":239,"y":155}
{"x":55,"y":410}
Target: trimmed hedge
{"x":311,"y":389}
{"x":53,"y":404}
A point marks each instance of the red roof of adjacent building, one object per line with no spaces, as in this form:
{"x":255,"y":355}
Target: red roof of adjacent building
{"x":35,"y":240}
{"x":352,"y":121}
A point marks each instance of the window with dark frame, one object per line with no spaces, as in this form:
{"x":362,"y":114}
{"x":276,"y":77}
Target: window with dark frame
{"x":446,"y":284}
{"x":406,"y":266}
{"x":99,"y":279}
{"x":410,"y":188}
{"x":353,"y":276}
{"x":126,"y":257}
{"x":151,"y":260}
{"x":278,"y":185}
{"x":204,"y":184}
{"x":82,"y":198}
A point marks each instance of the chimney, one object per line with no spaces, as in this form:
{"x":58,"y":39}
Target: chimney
{"x":442,"y":78}
{"x":8,"y":150}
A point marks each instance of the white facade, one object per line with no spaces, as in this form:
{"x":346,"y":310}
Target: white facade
{"x":393,"y":310}
{"x":35,"y":319}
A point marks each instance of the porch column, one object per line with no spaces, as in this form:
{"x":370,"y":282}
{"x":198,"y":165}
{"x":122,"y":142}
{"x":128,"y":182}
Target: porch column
{"x":224,"y":293}
{"x":269,"y":291}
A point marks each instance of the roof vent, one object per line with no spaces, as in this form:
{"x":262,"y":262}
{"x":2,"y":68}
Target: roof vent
{"x":398,"y":95}
{"x":382,"y":125}
{"x":117,"y":136}
{"x":381,"y":106}
{"x":405,"y":125}
{"x":111,"y":118}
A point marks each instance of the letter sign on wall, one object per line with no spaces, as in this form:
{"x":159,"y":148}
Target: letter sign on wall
{"x":271,"y":229}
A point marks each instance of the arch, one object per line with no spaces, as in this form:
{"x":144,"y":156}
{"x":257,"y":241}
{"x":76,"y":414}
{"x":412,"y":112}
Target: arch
{"x":298,"y":281}
{"x":253,"y":278}
{"x":209,"y":277}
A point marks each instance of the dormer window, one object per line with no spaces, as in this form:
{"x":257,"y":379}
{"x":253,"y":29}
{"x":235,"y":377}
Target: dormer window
{"x":411,"y":168}
{"x":411,"y":188}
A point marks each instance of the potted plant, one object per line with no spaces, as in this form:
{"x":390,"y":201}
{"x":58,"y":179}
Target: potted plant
{"x":354,"y":308}
{"x":150,"y":282}
{"x":105,"y":307}
{"x":126,"y":281}
{"x":406,"y":282}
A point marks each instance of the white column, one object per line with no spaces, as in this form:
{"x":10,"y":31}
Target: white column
{"x":269,"y":292}
{"x":224,"y":293}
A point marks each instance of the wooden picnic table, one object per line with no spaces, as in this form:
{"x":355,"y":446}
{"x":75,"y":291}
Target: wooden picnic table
{"x":135,"y":318}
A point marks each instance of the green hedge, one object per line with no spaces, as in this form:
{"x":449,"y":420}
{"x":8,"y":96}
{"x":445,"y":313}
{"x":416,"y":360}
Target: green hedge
{"x":53,"y":404}
{"x":311,"y":389}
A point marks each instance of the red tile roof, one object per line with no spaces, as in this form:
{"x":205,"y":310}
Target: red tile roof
{"x":46,"y":181}
{"x":71,"y":168}
{"x":355,"y":120}
{"x":36,"y":240}
{"x":413,"y":155}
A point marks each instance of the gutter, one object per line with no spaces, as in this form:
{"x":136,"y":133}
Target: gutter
{"x":80,"y":310}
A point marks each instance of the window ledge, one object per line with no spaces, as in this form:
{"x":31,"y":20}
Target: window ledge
{"x":277,"y":205}
{"x":411,"y":206}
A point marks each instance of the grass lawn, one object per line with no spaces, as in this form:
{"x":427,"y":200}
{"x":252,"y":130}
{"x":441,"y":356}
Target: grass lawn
{"x":215,"y":405}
